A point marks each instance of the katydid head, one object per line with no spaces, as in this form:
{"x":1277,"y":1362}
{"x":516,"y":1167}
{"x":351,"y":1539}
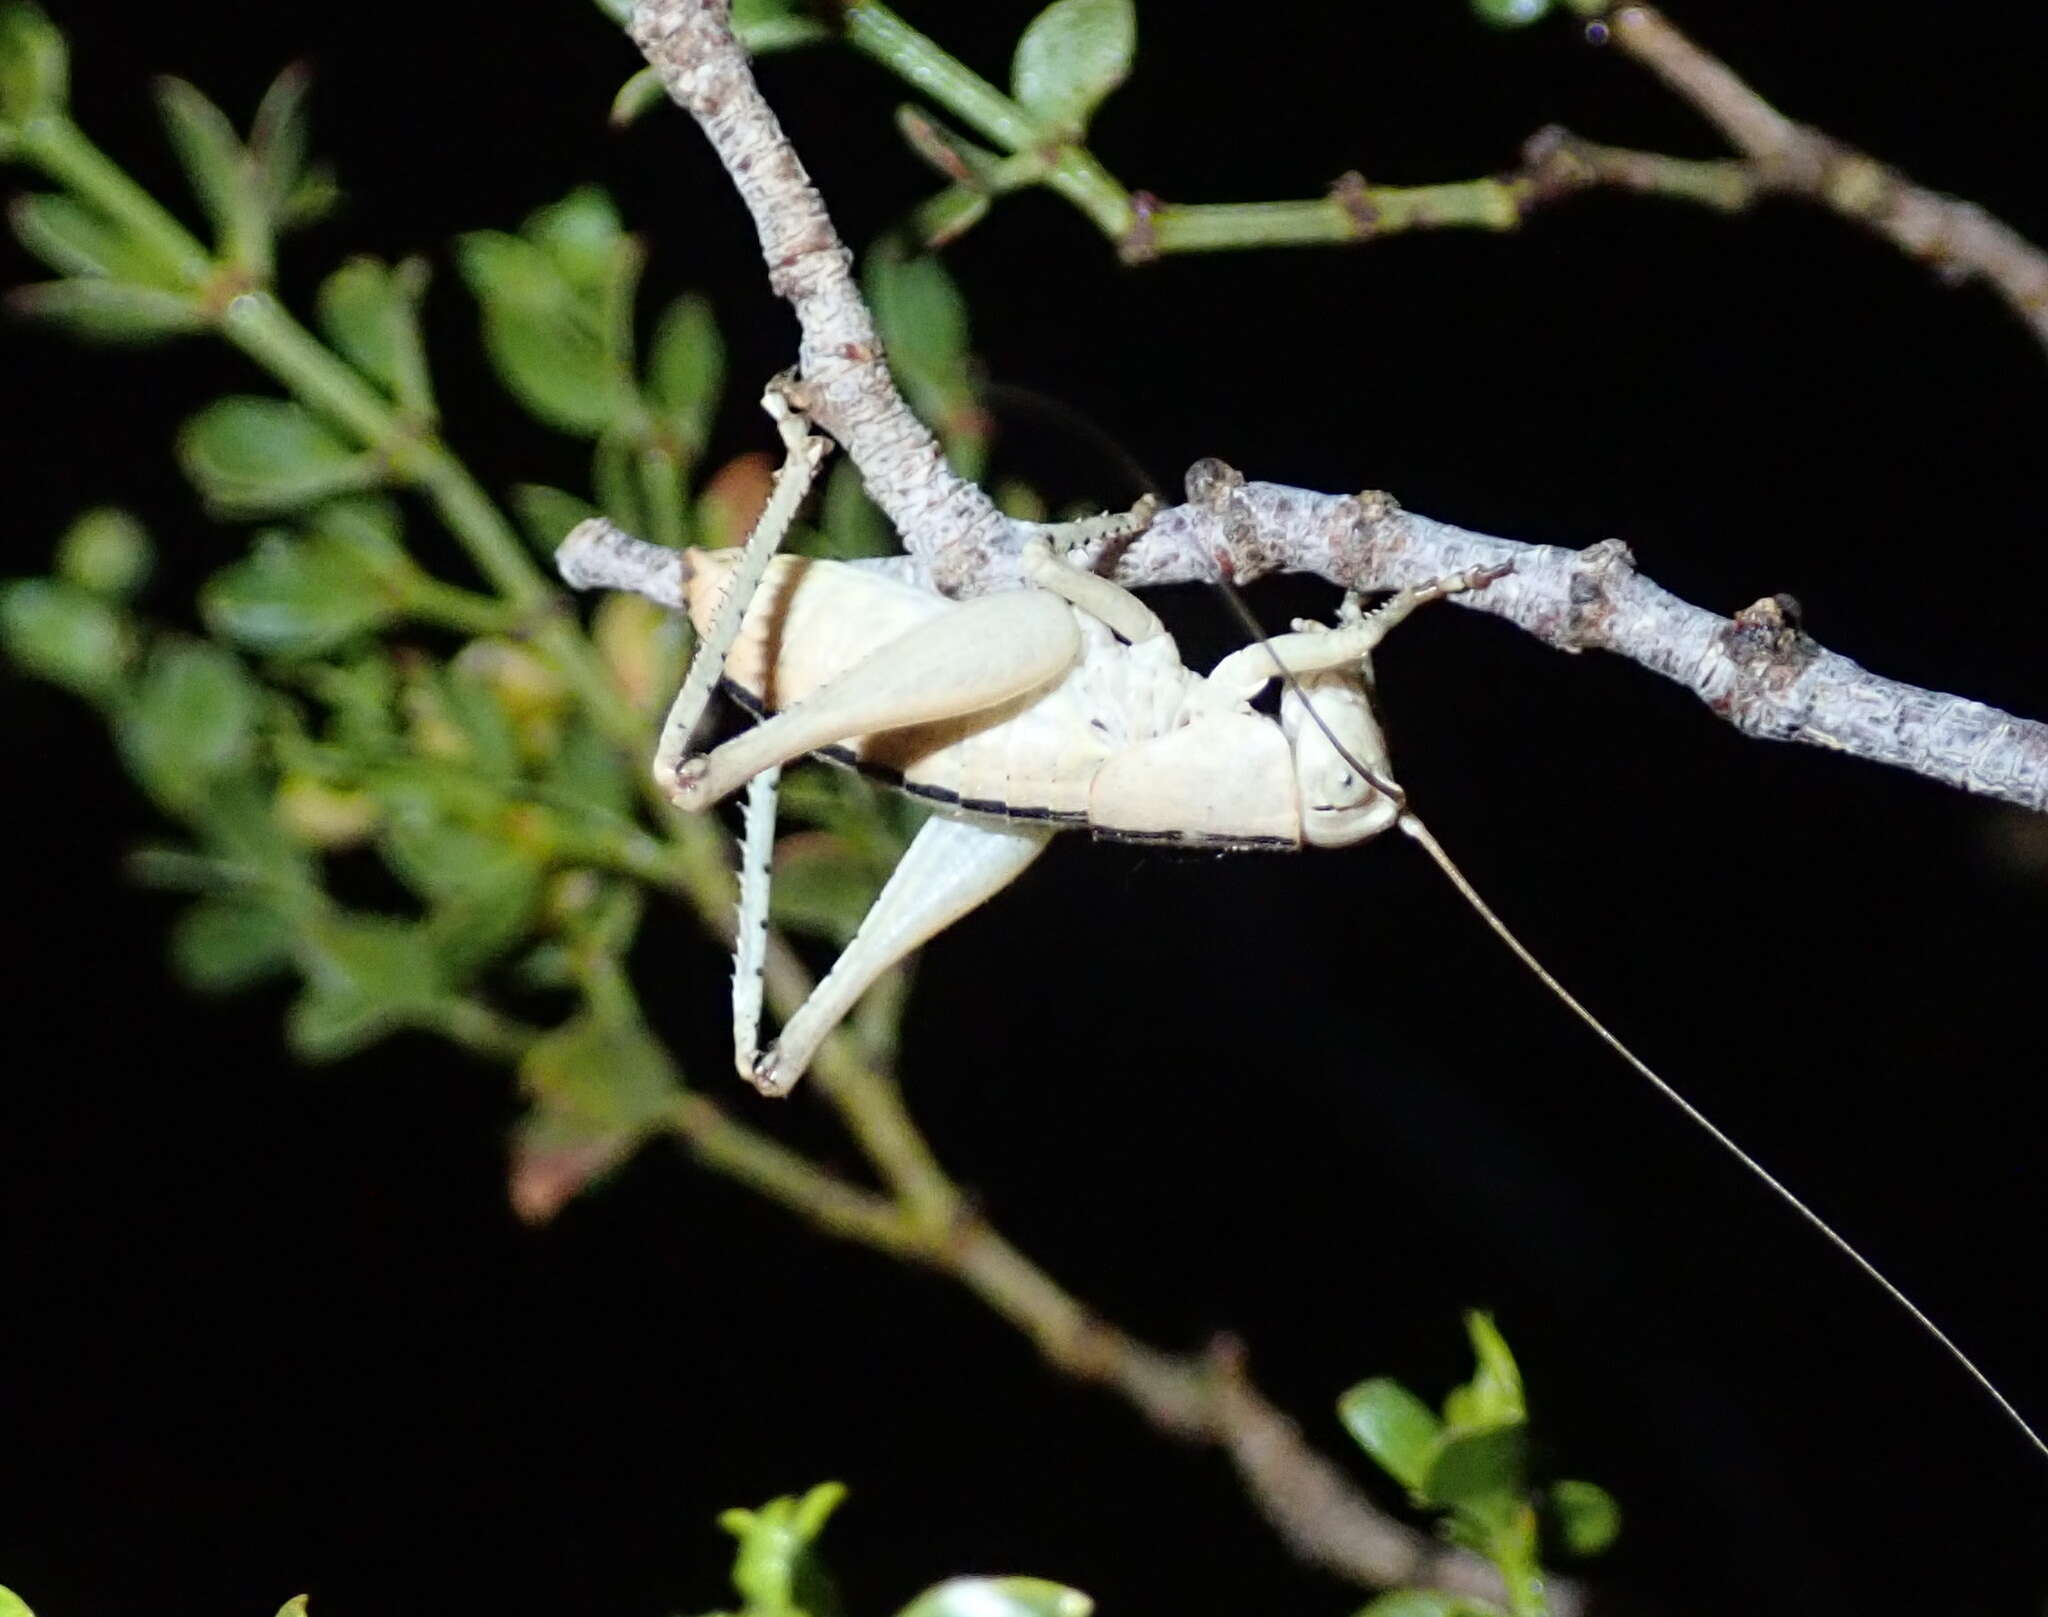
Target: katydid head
{"x":1340,"y":759}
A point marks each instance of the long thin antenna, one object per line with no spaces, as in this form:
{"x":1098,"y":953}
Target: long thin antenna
{"x":1421,"y":834}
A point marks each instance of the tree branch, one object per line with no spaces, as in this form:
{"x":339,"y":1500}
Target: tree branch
{"x":1758,"y":670}
{"x":947,"y":523}
{"x":1957,"y":237}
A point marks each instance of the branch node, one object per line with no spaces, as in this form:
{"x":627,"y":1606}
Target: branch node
{"x":1767,"y":643}
{"x":1139,"y":243}
{"x":1589,"y":600}
{"x":1351,"y":195}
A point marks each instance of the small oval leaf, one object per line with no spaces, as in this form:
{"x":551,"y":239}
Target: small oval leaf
{"x":221,"y":174}
{"x":107,"y":552}
{"x":1073,"y":54}
{"x":61,"y":633}
{"x":115,"y":312}
{"x":1475,"y":1470}
{"x":362,"y":310}
{"x":1395,"y":1427}
{"x":251,"y":455}
{"x":191,"y":722}
{"x":34,"y":65}
{"x":222,"y":944}
{"x":1510,"y":13}
{"x":74,"y":238}
{"x":686,"y":370}
{"x":1586,"y":1516}
{"x":546,"y":346}
{"x":302,"y":596}
{"x":999,"y":1597}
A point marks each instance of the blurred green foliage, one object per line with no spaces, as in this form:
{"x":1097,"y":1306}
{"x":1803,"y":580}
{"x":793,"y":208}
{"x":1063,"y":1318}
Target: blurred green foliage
{"x":1469,"y":1464}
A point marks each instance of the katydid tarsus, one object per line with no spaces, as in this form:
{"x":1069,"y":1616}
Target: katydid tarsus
{"x":1059,"y":705}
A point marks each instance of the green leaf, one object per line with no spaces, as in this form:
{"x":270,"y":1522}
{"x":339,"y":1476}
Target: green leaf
{"x":1394,"y":1426}
{"x":775,"y":1569}
{"x":823,"y":886}
{"x":1071,"y":56}
{"x":922,"y":319}
{"x":775,"y":25}
{"x":304,"y":596}
{"x":221,"y":173}
{"x":294,"y":1607}
{"x":221,"y":944}
{"x":366,"y":976}
{"x":75,"y":238}
{"x":607,"y":1072}
{"x":599,"y":1085}
{"x":59,"y":632}
{"x":949,"y":215}
{"x":192,"y":721}
{"x":1474,"y":1470}
{"x":277,"y":141}
{"x":951,"y":153}
{"x":637,"y":96}
{"x":489,"y":739}
{"x":315,"y":196}
{"x":34,"y":65}
{"x":370,"y":312}
{"x":480,"y":887}
{"x":921,"y":315}
{"x":108,"y":311}
{"x":1493,"y":1397}
{"x":1424,"y":1603}
{"x":850,"y":524}
{"x":587,"y":769}
{"x":583,"y":235}
{"x":547,"y":346}
{"x":1510,"y":13}
{"x":363,"y":696}
{"x":251,"y":455}
{"x":12,"y":1605}
{"x":614,"y":480}
{"x":1587,"y":1517}
{"x":999,"y":1597}
{"x":547,"y":514}
{"x":107,"y":552}
{"x":686,"y":370}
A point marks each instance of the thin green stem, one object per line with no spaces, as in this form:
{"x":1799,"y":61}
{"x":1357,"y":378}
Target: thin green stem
{"x":476,"y":1026}
{"x":465,"y":611}
{"x":61,"y":150}
{"x":1070,"y":169}
{"x":785,"y":1176}
{"x":877,"y":32}
{"x":661,"y":484}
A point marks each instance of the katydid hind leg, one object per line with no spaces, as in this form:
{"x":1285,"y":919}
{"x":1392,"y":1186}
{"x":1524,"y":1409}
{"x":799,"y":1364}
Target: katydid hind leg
{"x":968,"y":658}
{"x":950,"y":868}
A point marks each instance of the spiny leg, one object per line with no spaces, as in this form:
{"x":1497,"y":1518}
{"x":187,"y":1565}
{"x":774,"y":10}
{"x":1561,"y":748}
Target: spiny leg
{"x":750,"y":946}
{"x":804,"y":451}
{"x":969,"y":657}
{"x":950,"y":867}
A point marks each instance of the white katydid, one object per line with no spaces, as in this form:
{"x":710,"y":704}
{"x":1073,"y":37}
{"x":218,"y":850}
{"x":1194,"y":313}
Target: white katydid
{"x":1062,"y":704}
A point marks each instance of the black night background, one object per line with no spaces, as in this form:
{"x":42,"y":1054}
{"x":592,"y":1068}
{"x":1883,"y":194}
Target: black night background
{"x":267,"y":1329}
